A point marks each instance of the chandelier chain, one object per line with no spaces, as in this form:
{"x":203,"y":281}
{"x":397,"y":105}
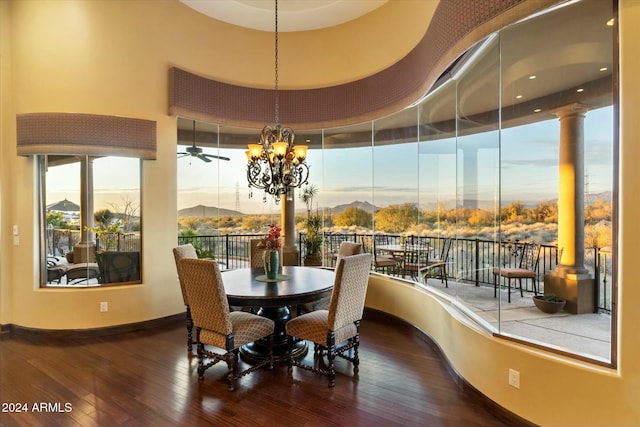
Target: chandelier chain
{"x":275,"y":165}
{"x":276,"y":70}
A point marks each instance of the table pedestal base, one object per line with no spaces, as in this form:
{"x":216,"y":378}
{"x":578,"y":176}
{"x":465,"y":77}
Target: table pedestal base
{"x":257,"y":351}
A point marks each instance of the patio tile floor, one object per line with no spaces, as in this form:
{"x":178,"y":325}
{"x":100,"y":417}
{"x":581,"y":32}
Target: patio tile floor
{"x":585,"y":334}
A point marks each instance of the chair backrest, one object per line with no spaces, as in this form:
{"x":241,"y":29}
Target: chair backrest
{"x":207,"y":298}
{"x":181,"y":252}
{"x":530,"y":256}
{"x":348,"y":249}
{"x":446,"y":248}
{"x":256,"y":254}
{"x":349,"y":290}
{"x":116,"y":267}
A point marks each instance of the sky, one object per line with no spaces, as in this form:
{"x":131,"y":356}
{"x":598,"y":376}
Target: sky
{"x":404,"y":173}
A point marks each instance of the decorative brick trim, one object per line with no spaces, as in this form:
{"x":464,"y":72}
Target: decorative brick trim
{"x":456,"y":25}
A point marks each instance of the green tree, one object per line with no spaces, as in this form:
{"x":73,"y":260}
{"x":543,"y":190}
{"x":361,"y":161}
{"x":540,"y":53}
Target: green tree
{"x":397,"y":218}
{"x":56,"y":220}
{"x":353,"y":216}
{"x":514,"y":212}
{"x":545,"y":211}
{"x":103,"y":217}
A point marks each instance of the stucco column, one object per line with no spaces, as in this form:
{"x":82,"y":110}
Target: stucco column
{"x":85,"y":250}
{"x":570,"y":279}
{"x":289,"y":249}
{"x":571,"y":188}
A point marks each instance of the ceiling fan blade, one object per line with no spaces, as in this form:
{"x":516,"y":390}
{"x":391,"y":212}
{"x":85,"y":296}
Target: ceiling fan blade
{"x":204,"y":158}
{"x":213,"y":156}
{"x":183,"y":154}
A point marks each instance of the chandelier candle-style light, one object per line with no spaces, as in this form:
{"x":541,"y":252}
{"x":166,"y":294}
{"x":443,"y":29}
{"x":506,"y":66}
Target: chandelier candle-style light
{"x":275,"y":165}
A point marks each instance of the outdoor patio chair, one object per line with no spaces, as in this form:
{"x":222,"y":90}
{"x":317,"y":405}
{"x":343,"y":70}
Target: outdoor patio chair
{"x":413,"y":259}
{"x":217,"y":326}
{"x":385,"y":263}
{"x":526,"y":269}
{"x":118,"y":267}
{"x":438,"y":265}
{"x":56,"y":268}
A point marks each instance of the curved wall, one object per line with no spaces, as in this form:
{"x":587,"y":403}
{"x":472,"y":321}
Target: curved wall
{"x":103,"y":62}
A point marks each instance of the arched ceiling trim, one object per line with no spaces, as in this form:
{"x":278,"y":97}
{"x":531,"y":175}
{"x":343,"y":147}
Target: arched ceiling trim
{"x":454,"y":28}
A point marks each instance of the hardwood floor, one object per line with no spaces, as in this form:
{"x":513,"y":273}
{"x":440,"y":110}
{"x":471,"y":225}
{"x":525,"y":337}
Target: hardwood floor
{"x":146,"y":378}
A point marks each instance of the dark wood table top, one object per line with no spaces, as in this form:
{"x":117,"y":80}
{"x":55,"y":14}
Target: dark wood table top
{"x":303,"y":285}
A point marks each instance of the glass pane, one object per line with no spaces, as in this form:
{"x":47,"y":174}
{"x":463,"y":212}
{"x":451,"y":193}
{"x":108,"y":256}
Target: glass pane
{"x":476,"y":251}
{"x":437,"y":186}
{"x":556,"y":163}
{"x":399,"y":248}
{"x":347,"y":185}
{"x":92,"y":207}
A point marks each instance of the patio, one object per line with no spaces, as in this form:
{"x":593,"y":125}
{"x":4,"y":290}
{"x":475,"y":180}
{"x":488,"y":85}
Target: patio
{"x":583,"y":334}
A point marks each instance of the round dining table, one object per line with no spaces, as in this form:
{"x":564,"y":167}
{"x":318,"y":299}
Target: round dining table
{"x":273,"y":298}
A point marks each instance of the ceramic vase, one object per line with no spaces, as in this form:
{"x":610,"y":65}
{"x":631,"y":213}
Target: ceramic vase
{"x":271,"y":264}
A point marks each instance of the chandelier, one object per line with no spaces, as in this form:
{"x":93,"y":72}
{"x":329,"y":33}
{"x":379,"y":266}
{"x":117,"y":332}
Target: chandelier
{"x":275,"y":165}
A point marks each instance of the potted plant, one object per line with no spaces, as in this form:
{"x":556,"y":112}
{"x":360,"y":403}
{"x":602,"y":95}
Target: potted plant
{"x":549,"y":303}
{"x":313,"y":241}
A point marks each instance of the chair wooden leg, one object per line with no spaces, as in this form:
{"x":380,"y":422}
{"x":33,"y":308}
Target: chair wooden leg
{"x":356,"y":358}
{"x":200,"y":352}
{"x":232,"y":360}
{"x":189,"y":330}
{"x":509,"y":289}
{"x":331,"y":368}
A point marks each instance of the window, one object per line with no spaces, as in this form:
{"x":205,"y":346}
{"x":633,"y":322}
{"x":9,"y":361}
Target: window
{"x":91,"y":220}
{"x":479,"y":168}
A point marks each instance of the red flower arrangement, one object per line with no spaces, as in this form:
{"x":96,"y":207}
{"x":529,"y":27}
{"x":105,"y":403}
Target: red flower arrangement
{"x":272,"y":241}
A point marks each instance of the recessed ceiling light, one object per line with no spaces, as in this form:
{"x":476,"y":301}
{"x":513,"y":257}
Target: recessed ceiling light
{"x":537,"y":110}
{"x":580,"y":90}
{"x":610,"y":22}
{"x":603,"y":69}
{"x":518,"y":96}
{"x":532,"y":77}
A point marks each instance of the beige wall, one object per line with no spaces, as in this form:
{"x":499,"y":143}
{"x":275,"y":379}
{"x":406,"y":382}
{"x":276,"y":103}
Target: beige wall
{"x":112,"y":57}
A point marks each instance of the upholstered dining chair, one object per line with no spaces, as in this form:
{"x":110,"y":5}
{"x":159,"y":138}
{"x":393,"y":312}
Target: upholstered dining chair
{"x":346,"y":249}
{"x":337,"y":330}
{"x":217,"y":326}
{"x":255,"y":254}
{"x":181,"y":252}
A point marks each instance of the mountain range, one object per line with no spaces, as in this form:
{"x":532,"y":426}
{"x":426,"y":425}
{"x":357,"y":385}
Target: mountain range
{"x":201,"y":210}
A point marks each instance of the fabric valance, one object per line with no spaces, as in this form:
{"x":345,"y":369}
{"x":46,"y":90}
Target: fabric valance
{"x":85,"y":134}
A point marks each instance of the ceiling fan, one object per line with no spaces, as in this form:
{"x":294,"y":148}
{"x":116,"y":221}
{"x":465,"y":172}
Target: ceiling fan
{"x":194,"y":151}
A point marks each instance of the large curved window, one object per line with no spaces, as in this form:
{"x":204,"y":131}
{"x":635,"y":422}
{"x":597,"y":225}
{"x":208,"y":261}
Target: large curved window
{"x":507,"y":163}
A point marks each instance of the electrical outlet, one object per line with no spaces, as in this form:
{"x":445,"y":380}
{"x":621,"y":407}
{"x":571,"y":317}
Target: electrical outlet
{"x":514,"y":378}
{"x":104,"y":307}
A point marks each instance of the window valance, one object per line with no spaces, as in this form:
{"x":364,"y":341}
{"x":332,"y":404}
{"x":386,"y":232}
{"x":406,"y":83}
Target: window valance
{"x":85,"y":134}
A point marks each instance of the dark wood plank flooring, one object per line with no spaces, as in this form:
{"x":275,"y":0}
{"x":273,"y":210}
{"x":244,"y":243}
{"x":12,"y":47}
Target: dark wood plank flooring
{"x":146,"y":378}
